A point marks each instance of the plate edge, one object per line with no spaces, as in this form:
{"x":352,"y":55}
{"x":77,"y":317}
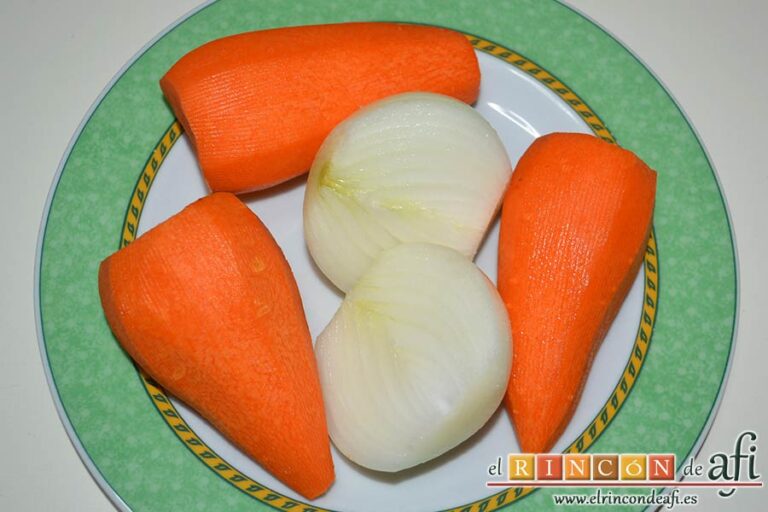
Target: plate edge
{"x":81,"y":451}
{"x":707,"y":426}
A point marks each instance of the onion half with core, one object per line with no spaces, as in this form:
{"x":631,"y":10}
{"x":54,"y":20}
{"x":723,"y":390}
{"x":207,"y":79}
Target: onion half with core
{"x":415,"y":167}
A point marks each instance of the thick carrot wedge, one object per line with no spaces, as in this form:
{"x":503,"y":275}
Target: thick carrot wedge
{"x":574,"y":225}
{"x":207,"y":305}
{"x":258,"y":105}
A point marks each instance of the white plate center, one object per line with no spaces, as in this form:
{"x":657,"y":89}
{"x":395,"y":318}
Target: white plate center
{"x":520,"y":109}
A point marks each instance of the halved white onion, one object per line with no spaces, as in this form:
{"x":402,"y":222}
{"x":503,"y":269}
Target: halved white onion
{"x":416,"y":167}
{"x":416,"y":359}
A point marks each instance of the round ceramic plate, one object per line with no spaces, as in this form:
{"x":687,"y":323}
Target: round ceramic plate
{"x":656,"y":379}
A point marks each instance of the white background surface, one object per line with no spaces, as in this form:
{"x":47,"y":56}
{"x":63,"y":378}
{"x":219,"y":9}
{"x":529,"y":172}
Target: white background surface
{"x":56,"y":58}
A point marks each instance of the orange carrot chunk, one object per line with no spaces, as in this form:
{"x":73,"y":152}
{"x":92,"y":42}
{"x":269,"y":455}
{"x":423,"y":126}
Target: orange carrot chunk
{"x":574,"y":225}
{"x":257,"y":106}
{"x":207,"y":305}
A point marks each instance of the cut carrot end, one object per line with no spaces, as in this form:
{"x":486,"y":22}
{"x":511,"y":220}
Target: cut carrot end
{"x":258,"y":105}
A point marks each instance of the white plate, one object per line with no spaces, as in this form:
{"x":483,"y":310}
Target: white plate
{"x":520,"y":109}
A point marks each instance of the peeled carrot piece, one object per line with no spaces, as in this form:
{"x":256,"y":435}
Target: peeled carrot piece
{"x":574,"y":224}
{"x":207,"y":305}
{"x":257,"y":106}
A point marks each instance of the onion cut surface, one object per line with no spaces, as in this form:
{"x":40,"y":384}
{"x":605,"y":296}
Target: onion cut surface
{"x":416,"y":359}
{"x":415,"y":167}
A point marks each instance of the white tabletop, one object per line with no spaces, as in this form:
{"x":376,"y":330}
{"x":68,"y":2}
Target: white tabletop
{"x":57,"y":56}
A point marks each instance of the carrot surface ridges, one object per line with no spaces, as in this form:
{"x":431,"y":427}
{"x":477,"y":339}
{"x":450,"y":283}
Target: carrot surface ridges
{"x":257,"y":105}
{"x":575,"y":221}
{"x":207,"y":305}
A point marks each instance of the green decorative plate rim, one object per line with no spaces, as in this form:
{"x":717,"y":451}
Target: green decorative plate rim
{"x":55,"y":279}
